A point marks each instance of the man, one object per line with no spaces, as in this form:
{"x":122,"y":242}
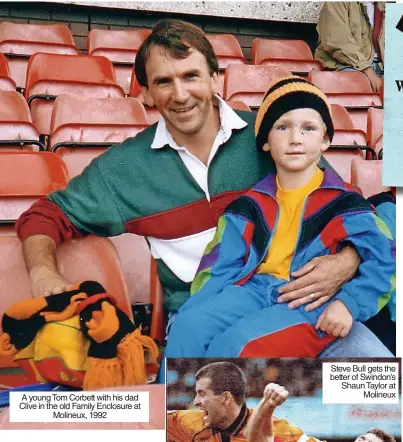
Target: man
{"x":222,"y":414}
{"x":172,"y":182}
{"x":352,"y":37}
{"x":375,"y":435}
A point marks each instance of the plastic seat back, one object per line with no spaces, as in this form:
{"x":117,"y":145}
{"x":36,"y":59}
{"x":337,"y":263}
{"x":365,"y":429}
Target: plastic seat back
{"x":374,"y":126}
{"x":345,"y":133}
{"x":255,"y":82}
{"x":82,"y":128}
{"x":293,"y":55}
{"x":20,"y":41}
{"x":341,"y":158}
{"x":26,"y":177}
{"x":49,"y":75}
{"x":227,"y":49}
{"x":239,"y":105}
{"x":91,"y":258}
{"x":6,"y":82}
{"x":16,"y":127}
{"x":349,"y":89}
{"x":367,"y":175}
{"x":120,"y":47}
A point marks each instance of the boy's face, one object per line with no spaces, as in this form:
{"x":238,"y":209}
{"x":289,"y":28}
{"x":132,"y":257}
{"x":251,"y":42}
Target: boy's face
{"x":297,"y":140}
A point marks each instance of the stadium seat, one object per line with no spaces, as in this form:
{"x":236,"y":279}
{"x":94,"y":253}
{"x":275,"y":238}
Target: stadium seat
{"x":25,"y":177}
{"x":345,"y":133}
{"x":239,"y":105}
{"x":135,"y":91}
{"x":228,"y":51}
{"x":20,"y":41}
{"x":50,"y":75}
{"x":91,"y":258}
{"x":367,"y":175}
{"x":17,"y":131}
{"x":293,"y":55}
{"x":351,"y":90}
{"x":6,"y":82}
{"x":120,"y":47}
{"x":374,"y":126}
{"x":82,"y":128}
{"x":255,"y":82}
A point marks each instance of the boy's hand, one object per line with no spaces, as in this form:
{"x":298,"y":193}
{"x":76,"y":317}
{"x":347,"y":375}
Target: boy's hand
{"x":336,"y":320}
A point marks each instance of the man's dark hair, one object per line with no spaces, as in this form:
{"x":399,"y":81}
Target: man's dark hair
{"x":178,"y":38}
{"x":225,"y":376}
{"x":385,"y":437}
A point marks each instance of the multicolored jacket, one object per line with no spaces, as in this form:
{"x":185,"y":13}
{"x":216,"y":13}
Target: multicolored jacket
{"x":188,"y":426}
{"x":334,"y":215}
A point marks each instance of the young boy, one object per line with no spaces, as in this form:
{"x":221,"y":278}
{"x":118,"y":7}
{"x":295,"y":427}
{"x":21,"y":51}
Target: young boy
{"x":282,"y":223}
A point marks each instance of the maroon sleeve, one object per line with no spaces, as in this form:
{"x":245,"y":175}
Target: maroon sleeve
{"x":46,"y":218}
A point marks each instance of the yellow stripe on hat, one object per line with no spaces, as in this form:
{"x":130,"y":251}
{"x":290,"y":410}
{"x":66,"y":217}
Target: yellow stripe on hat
{"x":300,"y":86}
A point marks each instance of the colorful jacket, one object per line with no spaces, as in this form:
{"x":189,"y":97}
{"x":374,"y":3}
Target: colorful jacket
{"x":345,"y":36}
{"x":334,"y":215}
{"x":188,"y":426}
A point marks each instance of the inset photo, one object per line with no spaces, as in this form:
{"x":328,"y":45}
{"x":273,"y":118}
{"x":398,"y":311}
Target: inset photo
{"x":283,"y":400}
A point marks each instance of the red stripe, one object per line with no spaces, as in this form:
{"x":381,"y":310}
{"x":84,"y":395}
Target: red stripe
{"x":298,"y":341}
{"x":185,"y":220}
{"x":93,"y":299}
{"x":46,"y":218}
{"x":333,"y":233}
{"x":268,"y":206}
{"x":318,"y":200}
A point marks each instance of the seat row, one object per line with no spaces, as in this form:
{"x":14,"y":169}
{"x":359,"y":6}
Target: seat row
{"x":20,"y":41}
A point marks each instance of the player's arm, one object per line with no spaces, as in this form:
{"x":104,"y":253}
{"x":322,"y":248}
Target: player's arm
{"x":260,"y":427}
{"x":84,"y":207}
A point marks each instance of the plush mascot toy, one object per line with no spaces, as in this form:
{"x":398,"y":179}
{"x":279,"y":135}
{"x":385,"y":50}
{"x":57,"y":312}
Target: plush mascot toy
{"x":78,"y":338}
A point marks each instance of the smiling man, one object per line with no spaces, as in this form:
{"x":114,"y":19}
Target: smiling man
{"x":172,"y":182}
{"x":222,"y":414}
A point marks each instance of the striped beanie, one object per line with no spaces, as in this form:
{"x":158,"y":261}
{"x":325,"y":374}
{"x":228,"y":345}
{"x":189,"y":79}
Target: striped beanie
{"x":287,"y":94}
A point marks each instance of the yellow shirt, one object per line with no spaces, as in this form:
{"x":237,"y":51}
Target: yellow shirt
{"x":282,"y":247}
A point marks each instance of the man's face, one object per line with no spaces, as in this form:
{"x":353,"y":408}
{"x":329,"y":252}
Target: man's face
{"x":369,"y":437}
{"x":210,"y":403}
{"x":297,"y":140}
{"x":182,"y":90}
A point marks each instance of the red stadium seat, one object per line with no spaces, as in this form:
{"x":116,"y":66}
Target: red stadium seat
{"x":91,"y":258}
{"x":228,"y":51}
{"x":82,"y":128}
{"x":351,"y":90}
{"x":367,"y":175}
{"x":255,"y":82}
{"x":345,"y":133}
{"x":20,"y":41}
{"x":293,"y":55}
{"x":375,"y":126}
{"x":341,"y":158}
{"x":120,"y":47}
{"x":135,"y":91}
{"x":17,"y":132}
{"x":25,"y":177}
{"x":239,"y":105}
{"x":49,"y":75}
{"x":6,"y":82}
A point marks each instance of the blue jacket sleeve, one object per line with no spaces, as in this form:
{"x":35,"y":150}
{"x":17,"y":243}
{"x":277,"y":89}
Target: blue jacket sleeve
{"x":222,"y":261}
{"x":375,"y":283}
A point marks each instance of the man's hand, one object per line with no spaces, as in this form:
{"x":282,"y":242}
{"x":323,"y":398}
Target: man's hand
{"x":322,"y":277}
{"x":274,"y":395}
{"x":376,"y":82}
{"x":260,"y":426}
{"x":336,"y":320}
{"x":46,"y":282}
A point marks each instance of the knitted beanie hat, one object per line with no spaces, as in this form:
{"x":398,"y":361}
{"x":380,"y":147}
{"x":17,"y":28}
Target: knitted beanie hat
{"x":287,"y":94}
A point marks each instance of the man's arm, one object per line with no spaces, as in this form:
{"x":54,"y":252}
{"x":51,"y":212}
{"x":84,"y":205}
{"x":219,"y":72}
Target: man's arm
{"x":336,"y":37}
{"x":84,"y":207}
{"x":260,"y":426}
{"x":323,"y":277}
